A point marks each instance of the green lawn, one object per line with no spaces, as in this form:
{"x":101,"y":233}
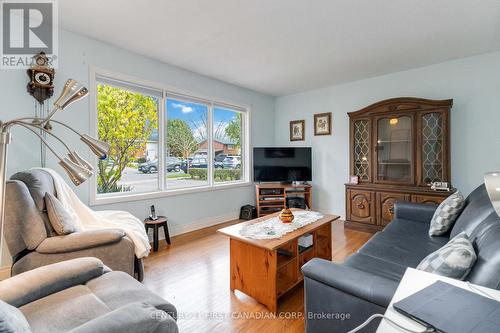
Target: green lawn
{"x":178,"y":175}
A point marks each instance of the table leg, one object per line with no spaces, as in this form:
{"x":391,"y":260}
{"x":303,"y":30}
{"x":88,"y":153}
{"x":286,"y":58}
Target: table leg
{"x":167,"y":234}
{"x":155,"y":238}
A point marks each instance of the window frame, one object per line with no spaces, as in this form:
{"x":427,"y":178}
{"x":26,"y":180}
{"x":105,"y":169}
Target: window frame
{"x":169,"y":92}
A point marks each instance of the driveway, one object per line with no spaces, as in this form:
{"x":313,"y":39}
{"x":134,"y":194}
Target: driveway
{"x":146,"y":182}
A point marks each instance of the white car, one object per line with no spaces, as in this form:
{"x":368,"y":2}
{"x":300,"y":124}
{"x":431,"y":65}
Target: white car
{"x":232,"y":162}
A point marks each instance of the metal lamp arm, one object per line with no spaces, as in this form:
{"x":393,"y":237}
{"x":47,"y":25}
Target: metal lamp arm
{"x":41,"y":138}
{"x":21,"y":123}
{"x":52,"y":121}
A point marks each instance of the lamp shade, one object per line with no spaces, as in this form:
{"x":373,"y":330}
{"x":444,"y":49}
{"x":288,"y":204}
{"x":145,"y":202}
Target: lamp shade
{"x":76,"y":173}
{"x":492,"y":183}
{"x":72,"y":91}
{"x":100,"y":148}
{"x":76,"y":158}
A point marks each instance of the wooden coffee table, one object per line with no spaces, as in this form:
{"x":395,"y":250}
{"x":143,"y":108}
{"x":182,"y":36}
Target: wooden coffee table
{"x":259,"y":270}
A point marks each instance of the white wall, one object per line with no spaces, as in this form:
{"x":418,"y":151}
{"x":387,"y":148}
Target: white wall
{"x":473,"y":83}
{"x":77,"y":53}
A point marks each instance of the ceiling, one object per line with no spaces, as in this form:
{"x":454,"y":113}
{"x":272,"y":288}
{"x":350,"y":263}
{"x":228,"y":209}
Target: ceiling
{"x":280,"y":47}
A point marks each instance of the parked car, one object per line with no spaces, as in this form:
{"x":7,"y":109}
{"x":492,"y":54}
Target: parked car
{"x":232,"y":162}
{"x":219,"y":161}
{"x":148,"y":167}
{"x":199,"y":163}
{"x":174,"y":164}
{"x":195,"y":163}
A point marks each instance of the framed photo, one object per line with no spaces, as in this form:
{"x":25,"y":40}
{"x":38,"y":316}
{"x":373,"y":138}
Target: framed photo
{"x":323,"y":123}
{"x":297,"y":129}
{"x":353,"y":179}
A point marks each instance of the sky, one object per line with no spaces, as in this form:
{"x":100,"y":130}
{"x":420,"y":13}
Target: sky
{"x":195,"y":116}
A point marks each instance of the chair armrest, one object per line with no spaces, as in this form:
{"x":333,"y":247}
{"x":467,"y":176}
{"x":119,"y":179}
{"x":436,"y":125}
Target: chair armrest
{"x":80,"y":241}
{"x":133,"y":317}
{"x":414,"y":211}
{"x":370,"y":287}
{"x":40,"y":282}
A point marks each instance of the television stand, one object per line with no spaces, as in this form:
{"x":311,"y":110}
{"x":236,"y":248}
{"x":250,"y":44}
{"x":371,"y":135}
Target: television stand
{"x":271,"y":197}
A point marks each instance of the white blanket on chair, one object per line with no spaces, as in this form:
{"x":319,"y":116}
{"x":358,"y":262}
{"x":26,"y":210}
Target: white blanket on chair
{"x":89,"y":219}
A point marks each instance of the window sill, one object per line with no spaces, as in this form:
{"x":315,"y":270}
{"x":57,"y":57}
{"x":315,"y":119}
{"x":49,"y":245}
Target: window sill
{"x":110,"y":199}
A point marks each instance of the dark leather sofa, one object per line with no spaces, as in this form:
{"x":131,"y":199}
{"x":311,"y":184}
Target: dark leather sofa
{"x":339,"y":297}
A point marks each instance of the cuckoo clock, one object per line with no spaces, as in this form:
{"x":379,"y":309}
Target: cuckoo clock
{"x":41,"y":85}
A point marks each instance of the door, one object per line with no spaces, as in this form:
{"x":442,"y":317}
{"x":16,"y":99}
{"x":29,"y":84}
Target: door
{"x":433,"y":147}
{"x":360,"y":206}
{"x":394,"y":149}
{"x":385,"y":205}
{"x":361,"y":149}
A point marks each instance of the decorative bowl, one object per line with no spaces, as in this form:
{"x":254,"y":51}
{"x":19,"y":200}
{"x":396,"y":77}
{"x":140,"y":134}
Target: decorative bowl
{"x":286,"y":216}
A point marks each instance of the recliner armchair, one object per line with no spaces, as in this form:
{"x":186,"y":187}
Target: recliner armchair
{"x":82,"y":296}
{"x":33,"y":242}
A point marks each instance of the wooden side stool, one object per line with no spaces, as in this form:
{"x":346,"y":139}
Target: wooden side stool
{"x":156,"y":224}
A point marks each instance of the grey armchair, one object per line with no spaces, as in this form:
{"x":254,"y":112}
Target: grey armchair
{"x":81,"y":296}
{"x":33,"y":242}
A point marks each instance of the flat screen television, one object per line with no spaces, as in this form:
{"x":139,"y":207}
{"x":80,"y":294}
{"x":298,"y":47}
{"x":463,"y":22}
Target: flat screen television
{"x":282,"y":164}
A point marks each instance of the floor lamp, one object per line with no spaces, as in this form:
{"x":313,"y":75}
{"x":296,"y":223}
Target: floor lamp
{"x":73,"y":164}
{"x":492,"y":183}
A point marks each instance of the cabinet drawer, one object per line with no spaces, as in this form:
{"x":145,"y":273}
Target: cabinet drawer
{"x":427,"y":199}
{"x":385,"y":205}
{"x":361,"y":206}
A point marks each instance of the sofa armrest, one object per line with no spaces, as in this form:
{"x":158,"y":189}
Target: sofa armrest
{"x":371,"y":288}
{"x":414,"y":211}
{"x":40,"y":282}
{"x":80,"y":241}
{"x":133,"y":317}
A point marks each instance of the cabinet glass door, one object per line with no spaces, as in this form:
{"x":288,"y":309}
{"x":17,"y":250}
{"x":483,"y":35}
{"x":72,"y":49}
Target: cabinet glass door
{"x":362,"y":149}
{"x":394,"y":149}
{"x":432,"y":147}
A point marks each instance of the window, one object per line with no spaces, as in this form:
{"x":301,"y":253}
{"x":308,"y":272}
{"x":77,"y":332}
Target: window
{"x":187,"y":124}
{"x":163,"y":141}
{"x":127,"y":118}
{"x":227,"y":137}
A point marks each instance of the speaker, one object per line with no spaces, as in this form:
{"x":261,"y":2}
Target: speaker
{"x":296,"y":202}
{"x":248,"y":212}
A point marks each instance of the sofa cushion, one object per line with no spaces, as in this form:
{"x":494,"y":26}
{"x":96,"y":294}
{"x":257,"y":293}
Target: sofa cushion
{"x":455,"y":259}
{"x":59,"y":217}
{"x":477,"y":208}
{"x":24,"y":227}
{"x":60,"y":312}
{"x":446,"y":214}
{"x":38,"y":182}
{"x":486,"y":237}
{"x":405,"y":251}
{"x":376,"y":266}
{"x":125,"y":291}
{"x":12,"y":320}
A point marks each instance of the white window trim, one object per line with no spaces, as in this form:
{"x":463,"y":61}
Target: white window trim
{"x":246,"y":157}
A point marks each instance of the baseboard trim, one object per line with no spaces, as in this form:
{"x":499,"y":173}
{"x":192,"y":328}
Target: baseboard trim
{"x":198,"y":228}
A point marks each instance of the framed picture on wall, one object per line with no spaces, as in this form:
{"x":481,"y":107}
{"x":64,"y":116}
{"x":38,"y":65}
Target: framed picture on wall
{"x":323,"y":123}
{"x":297,"y":129}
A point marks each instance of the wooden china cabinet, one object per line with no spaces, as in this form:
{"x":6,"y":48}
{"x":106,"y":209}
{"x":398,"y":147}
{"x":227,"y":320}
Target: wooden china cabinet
{"x":397,"y":148}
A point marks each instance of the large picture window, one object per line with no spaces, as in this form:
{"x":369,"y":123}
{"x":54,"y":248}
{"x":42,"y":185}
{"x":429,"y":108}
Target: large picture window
{"x":163,"y":141}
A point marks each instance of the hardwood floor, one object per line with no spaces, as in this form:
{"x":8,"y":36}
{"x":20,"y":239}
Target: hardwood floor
{"x":193,"y":274}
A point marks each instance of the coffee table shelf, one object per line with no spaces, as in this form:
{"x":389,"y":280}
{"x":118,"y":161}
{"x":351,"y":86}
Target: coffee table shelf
{"x":260,"y":271}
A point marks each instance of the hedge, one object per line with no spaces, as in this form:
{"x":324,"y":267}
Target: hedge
{"x":219,"y":174}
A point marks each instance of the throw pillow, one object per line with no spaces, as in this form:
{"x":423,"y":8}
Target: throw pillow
{"x":12,"y":320}
{"x":59,"y":217}
{"x":446,"y":214}
{"x":455,"y":259}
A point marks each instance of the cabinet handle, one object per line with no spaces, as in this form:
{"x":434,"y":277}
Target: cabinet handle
{"x":391,"y":210}
{"x":360,"y":205}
